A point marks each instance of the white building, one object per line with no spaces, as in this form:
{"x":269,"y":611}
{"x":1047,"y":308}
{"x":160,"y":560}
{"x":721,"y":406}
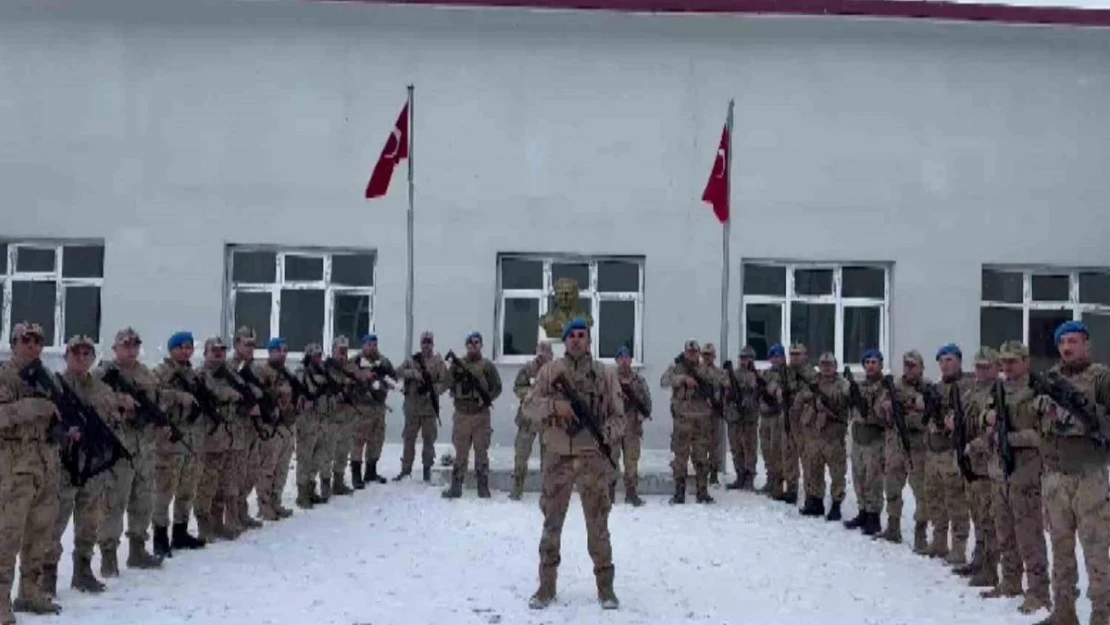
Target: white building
{"x":897,"y":183}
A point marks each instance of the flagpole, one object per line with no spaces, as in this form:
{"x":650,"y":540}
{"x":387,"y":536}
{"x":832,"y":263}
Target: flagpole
{"x":409,"y":278}
{"x":726,"y":231}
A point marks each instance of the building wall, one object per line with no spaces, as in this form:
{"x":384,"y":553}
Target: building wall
{"x":172,"y":131}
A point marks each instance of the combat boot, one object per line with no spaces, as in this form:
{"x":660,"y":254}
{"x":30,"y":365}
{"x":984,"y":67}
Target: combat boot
{"x":605,"y":594}
{"x":518,"y":488}
{"x":49,"y":580}
{"x":454,"y":491}
{"x":109,"y":563}
{"x":204,"y":528}
{"x":985,"y":577}
{"x":749,"y":481}
{"x":33,"y":601}
{"x":83,"y":578}
{"x":789,"y":496}
{"x":766,"y":489}
{"x":325,"y":492}
{"x":701,"y":486}
{"x":282,"y":511}
{"x":246,"y":520}
{"x":427,"y":475}
{"x":714,"y":480}
{"x":1034,"y":602}
{"x":372,"y":474}
{"x":679,"y":496}
{"x":304,"y":496}
{"x":968,"y":569}
{"x":893,"y":531}
{"x":1067,"y":616}
{"x":268,"y":513}
{"x":872,"y":524}
{"x":545,"y":594}
{"x":856,"y":522}
{"x":162,"y":542}
{"x":181,"y":538}
{"x":834,"y":512}
{"x":1007,"y":589}
{"x":483,"y":485}
{"x":402,"y":475}
{"x":6,"y":616}
{"x":138,"y":557}
{"x":737,"y":484}
{"x":813,"y":507}
{"x":920,"y":538}
{"x":631,"y":497}
{"x":339,"y":487}
{"x":1099,"y":616}
{"x":356,"y":475}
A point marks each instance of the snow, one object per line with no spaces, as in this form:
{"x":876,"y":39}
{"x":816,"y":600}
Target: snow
{"x":400,"y":554}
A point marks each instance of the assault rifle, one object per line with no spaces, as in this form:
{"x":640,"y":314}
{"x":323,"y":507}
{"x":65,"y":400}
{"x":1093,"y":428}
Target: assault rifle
{"x":470,"y":381}
{"x":300,"y":390}
{"x":427,"y":385}
{"x":855,"y":397}
{"x":898,"y":415}
{"x":787,"y":397}
{"x":98,"y":449}
{"x":250,"y":390}
{"x":637,"y":405}
{"x":207,"y":402}
{"x":704,"y":387}
{"x":583,"y":416}
{"x":959,"y":436}
{"x":765,"y":393}
{"x":932,"y":399}
{"x":148,"y":411}
{"x":333,"y":386}
{"x":1004,"y":426}
{"x":1071,"y":399}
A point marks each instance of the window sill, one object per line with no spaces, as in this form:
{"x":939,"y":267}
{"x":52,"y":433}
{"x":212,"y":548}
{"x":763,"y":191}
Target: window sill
{"x":520,"y":361}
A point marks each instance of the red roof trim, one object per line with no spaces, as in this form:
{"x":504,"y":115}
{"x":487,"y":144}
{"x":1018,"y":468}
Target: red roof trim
{"x":895,"y":9}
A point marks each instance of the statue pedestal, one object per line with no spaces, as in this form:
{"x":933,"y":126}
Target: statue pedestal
{"x":558,"y":348}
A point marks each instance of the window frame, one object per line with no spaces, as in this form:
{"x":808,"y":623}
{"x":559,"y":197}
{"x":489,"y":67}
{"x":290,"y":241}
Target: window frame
{"x":589,"y":291}
{"x":1028,"y":304}
{"x":279,"y":284}
{"x":11,"y":276}
{"x":839,"y":302}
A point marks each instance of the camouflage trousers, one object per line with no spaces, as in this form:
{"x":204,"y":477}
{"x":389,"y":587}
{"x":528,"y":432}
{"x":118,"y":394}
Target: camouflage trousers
{"x":592,"y":474}
{"x":979,"y":499}
{"x":368,"y":434}
{"x":275,"y":454}
{"x":246,"y":463}
{"x":897,"y":470}
{"x":175,"y":480}
{"x":629,"y":446}
{"x":1079,"y":504}
{"x":946,"y":501}
{"x":690,"y":443}
{"x":825,"y":449}
{"x":425,"y":424}
{"x":526,"y":434}
{"x":743,"y":441}
{"x":28,"y":510}
{"x":867,"y":476}
{"x":216,"y":491}
{"x":471,"y":430}
{"x":84,"y":505}
{"x":311,"y":447}
{"x":770,"y":443}
{"x":715,"y":464}
{"x":1018,"y":524}
{"x":792,"y":446}
{"x":130,"y":491}
{"x":342,"y":425}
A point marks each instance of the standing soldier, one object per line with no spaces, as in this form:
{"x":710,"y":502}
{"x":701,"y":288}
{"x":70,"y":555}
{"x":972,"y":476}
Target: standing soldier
{"x":218,"y":481}
{"x":944,"y":484}
{"x":795,"y":378}
{"x":277,"y":450}
{"x":312,"y":436}
{"x":692,"y":390}
{"x":341,"y":421}
{"x":770,"y":422}
{"x":1077,"y":501}
{"x":636,"y":408}
{"x":741,"y":403}
{"x":870,"y":420}
{"x":526,"y":431}
{"x":130,"y":490}
{"x":901,"y":466}
{"x":574,"y":457}
{"x":176,"y":469}
{"x":425,"y":379}
{"x":474,"y":384}
{"x":375,"y":371}
{"x":29,"y":467}
{"x":709,"y":359}
{"x":251,"y":432}
{"x":983,"y":567}
{"x":824,"y":422}
{"x":1017,"y":487}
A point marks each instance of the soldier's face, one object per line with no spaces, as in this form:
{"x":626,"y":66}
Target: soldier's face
{"x":986,"y":372}
{"x":709,"y":357}
{"x":79,"y":359}
{"x":578,"y":342}
{"x":474,"y":347}
{"x":28,"y":347}
{"x":950,"y":365}
{"x":370,"y":348}
{"x":427,"y":345}
{"x":827,"y":368}
{"x":911,"y":369}
{"x":1014,"y":368}
{"x":746,"y":363}
{"x":279,"y":355}
{"x":625,"y":363}
{"x":777,"y":361}
{"x":183,"y":353}
{"x":339,"y":353}
{"x":1074,"y":347}
{"x":216,"y":355}
{"x":244,"y":348}
{"x":128,"y":351}
{"x":545,"y":353}
{"x":873,"y":367}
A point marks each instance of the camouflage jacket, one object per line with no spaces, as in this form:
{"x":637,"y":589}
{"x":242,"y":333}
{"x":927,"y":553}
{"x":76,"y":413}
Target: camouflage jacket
{"x":315,"y":378}
{"x":978,"y":434}
{"x":1067,"y":447}
{"x":741,"y":396}
{"x":417,"y":399}
{"x":26,"y":420}
{"x":221,"y":439}
{"x":687,"y":400}
{"x":180,"y":401}
{"x":824,"y":408}
{"x":280,"y":389}
{"x":939,"y":437}
{"x":794,"y":381}
{"x":634,"y":385}
{"x":870,"y":428}
{"x":1026,"y":414}
{"x":374,"y":386}
{"x":133,"y":431}
{"x":596,"y":384}
{"x":910,"y":394}
{"x":525,"y":378}
{"x":246,"y":429}
{"x":483,"y":373}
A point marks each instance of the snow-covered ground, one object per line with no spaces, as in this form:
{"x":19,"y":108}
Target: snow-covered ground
{"x":399,"y":554}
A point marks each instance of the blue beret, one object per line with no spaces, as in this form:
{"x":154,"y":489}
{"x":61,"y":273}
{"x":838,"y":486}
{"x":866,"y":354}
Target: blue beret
{"x":950,"y":349}
{"x":624,"y":352}
{"x":370,"y":338}
{"x":275,"y":343}
{"x":1070,"y":327}
{"x":474,"y":336}
{"x":873,"y":354}
{"x":776,"y":350}
{"x":575,"y":324}
{"x":177,"y":339}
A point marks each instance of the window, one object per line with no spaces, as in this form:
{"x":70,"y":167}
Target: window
{"x":1028,"y":305}
{"x":611,"y":290}
{"x":835,"y":308}
{"x":56,"y":285}
{"x":302,"y":295}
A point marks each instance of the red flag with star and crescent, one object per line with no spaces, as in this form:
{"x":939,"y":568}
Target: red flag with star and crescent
{"x":716,"y":190}
{"x":396,"y":149}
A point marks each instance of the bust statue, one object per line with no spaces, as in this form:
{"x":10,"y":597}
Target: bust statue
{"x":566,"y":310}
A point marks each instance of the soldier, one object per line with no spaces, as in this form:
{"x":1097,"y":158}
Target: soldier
{"x":277,"y":450}
{"x":709,"y":357}
{"x":691,"y":387}
{"x":574,"y":457}
{"x":944,"y":485}
{"x":341,"y":421}
{"x":742,"y":403}
{"x":637,"y":407}
{"x":377,"y":372}
{"x":248,"y":432}
{"x":770,"y":423}
{"x":312,"y":430}
{"x":425,"y":379}
{"x":824,"y":425}
{"x":526,"y":431}
{"x":29,"y":468}
{"x":216,"y":491}
{"x":1076,"y":497}
{"x":794,"y":379}
{"x":131,"y":487}
{"x":870,"y":420}
{"x":983,"y":567}
{"x":1016,"y":498}
{"x":471,"y":381}
{"x":901,"y":466}
{"x":176,"y":469}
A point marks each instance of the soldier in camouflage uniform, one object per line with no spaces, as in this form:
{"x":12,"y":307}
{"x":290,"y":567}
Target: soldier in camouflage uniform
{"x":944,"y":485}
{"x":130,"y":490}
{"x":709,"y":359}
{"x":741,"y":402}
{"x":983,"y":567}
{"x":176,"y":470}
{"x":693,"y":418}
{"x":795,"y":378}
{"x":425,"y":379}
{"x":824,"y":425}
{"x":312,"y":435}
{"x":277,"y":450}
{"x":1016,"y":499}
{"x":526,"y":431}
{"x":376,"y":372}
{"x":29,"y":479}
{"x":341,"y":421}
{"x":471,"y":422}
{"x":1076,"y":492}
{"x":216,"y":491}
{"x":870,"y":421}
{"x":250,"y":432}
{"x":574,"y":458}
{"x":770,"y":422}
{"x":910,"y":390}
{"x":637,"y":407}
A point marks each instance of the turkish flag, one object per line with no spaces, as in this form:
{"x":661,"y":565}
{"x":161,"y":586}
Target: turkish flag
{"x":716,"y":190}
{"x":396,"y":149}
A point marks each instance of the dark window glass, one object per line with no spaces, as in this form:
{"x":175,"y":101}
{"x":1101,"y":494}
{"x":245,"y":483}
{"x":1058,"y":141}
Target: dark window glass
{"x":82,"y":313}
{"x":861,"y":333}
{"x":1042,"y":339}
{"x":351,"y":316}
{"x":1002,"y":286}
{"x":83,"y":261}
{"x":1051,"y":288}
{"x":998,"y":325}
{"x":616,"y":327}
{"x":1099,"y":325}
{"x":304,"y":268}
{"x":34,"y":259}
{"x":521,"y":326}
{"x":35,"y":302}
{"x":764,"y":280}
{"x":253,"y":310}
{"x":617,"y":276}
{"x":352,"y":269}
{"x":253,"y":267}
{"x":3,"y":258}
{"x":813,"y":282}
{"x":579,"y":272}
{"x":863,"y":282}
{"x":301,"y":318}
{"x":1094,"y":288}
{"x":518,"y":273}
{"x":762,"y":327}
{"x":813,"y":325}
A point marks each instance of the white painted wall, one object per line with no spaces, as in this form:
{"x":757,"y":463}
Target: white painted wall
{"x":171,"y":131}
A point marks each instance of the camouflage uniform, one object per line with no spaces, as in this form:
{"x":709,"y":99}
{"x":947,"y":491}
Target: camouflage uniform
{"x":693,"y":419}
{"x":898,"y":469}
{"x":341,"y":422}
{"x":249,"y":433}
{"x":742,"y":404}
{"x":312,"y":439}
{"x":573,"y":459}
{"x":631,"y":439}
{"x":471,"y":422}
{"x":217,"y":489}
{"x":824,"y":426}
{"x":984,"y":561}
{"x":716,"y":428}
{"x":944,"y":485}
{"x":868,"y":446}
{"x":771,"y":433}
{"x":795,"y":378}
{"x":420,"y":415}
{"x":369,"y":427}
{"x":276,"y":451}
{"x":526,"y":431}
